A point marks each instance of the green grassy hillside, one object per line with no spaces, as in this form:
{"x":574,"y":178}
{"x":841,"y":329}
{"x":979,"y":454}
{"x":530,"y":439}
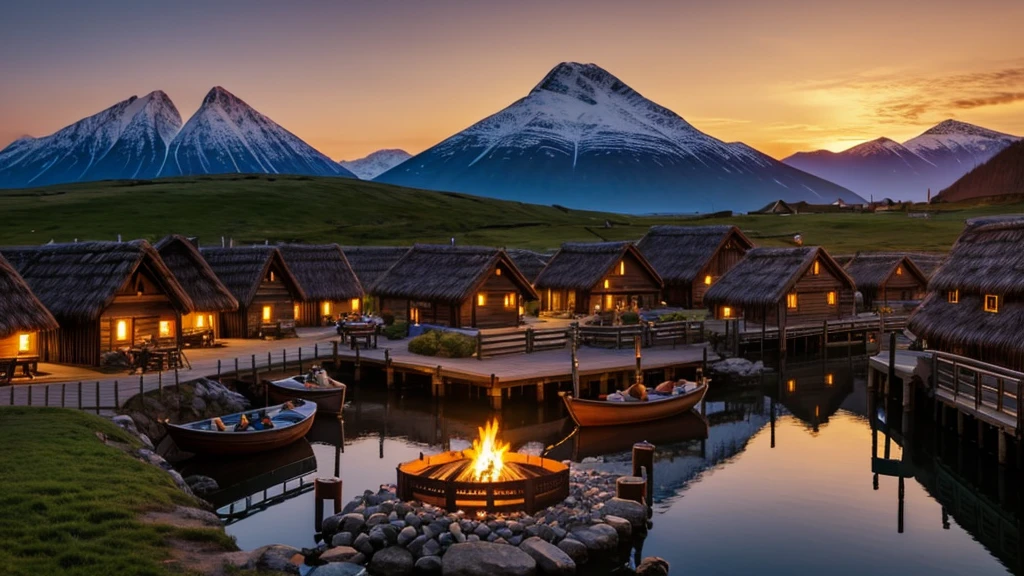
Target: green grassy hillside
{"x":292,"y":208}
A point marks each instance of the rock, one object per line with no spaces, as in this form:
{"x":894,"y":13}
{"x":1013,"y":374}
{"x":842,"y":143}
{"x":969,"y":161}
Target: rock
{"x":622,"y":527}
{"x":472,"y":538}
{"x":362,"y":543}
{"x":202,"y":485}
{"x":339,"y":554}
{"x":408,"y":534}
{"x":342,"y":539}
{"x":377,"y":518}
{"x":631,"y":510}
{"x":416,"y":546}
{"x":575,"y":549}
{"x":652,"y":566}
{"x":487,"y":559}
{"x":431,"y":548}
{"x":378,"y":538}
{"x":339,"y":569}
{"x":738,"y":367}
{"x":180,"y":482}
{"x":503,"y":533}
{"x":353,"y":523}
{"x":428,"y":566}
{"x":598,"y":538}
{"x":189,"y":513}
{"x":359,"y":559}
{"x":126,"y":423}
{"x":412,"y":519}
{"x":550,"y":559}
{"x":275,"y":558}
{"x":392,"y":561}
{"x":482,"y":531}
{"x":390,"y":532}
{"x":198,"y":404}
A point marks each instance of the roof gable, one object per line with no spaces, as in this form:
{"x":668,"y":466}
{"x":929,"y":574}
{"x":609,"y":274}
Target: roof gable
{"x":680,"y":253}
{"x":20,"y":309}
{"x":322,"y":270}
{"x":243,"y":268}
{"x":371,"y":262}
{"x":445,"y":273}
{"x":207,"y":292}
{"x":988,"y":257}
{"x":581,"y":266}
{"x":870,"y":270}
{"x":765,"y":275}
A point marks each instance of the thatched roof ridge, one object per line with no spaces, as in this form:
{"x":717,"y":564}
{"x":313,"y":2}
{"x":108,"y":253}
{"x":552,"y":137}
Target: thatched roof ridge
{"x":966,"y":324}
{"x":988,"y":257}
{"x":20,"y":310}
{"x":680,"y":253}
{"x":765,"y":275}
{"x":371,"y":262}
{"x":322,"y":270}
{"x":243,"y":268}
{"x":77,"y":281}
{"x":870,"y":269}
{"x":581,"y":265}
{"x":207,"y":292}
{"x":530,"y":263}
{"x":446,"y":273}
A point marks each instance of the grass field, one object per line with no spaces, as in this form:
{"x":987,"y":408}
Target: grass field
{"x":69,"y":504}
{"x":291,"y":208}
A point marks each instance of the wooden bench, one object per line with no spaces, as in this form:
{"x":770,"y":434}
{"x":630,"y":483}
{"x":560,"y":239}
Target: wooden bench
{"x":279,"y":329}
{"x":9,"y":368}
{"x":368,"y":333}
{"x":197,"y":337}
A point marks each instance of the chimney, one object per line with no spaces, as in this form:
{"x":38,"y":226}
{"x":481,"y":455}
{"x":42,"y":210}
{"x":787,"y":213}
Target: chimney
{"x":118,"y":238}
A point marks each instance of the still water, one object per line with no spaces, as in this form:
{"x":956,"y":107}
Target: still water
{"x":775,"y":478}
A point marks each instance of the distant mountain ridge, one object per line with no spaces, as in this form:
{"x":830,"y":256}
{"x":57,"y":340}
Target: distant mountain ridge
{"x":376,"y":163}
{"x":1001,"y":176}
{"x":582,"y":138}
{"x":930,"y":161}
{"x":143,"y":138}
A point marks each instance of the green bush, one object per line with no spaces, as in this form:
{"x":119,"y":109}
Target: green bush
{"x":396,"y":331}
{"x":630,"y":318}
{"x":443,"y":345}
{"x":388,"y":318}
{"x":532,"y":308}
{"x":674,"y":317}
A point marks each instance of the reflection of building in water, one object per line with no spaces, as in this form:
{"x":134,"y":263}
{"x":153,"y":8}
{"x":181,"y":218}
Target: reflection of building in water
{"x":812,"y":391}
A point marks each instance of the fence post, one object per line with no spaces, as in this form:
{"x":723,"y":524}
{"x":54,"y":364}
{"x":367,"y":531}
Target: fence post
{"x":270,"y":361}
{"x":479,"y":346}
{"x":254,"y":372}
{"x":236,"y":366}
{"x":334,"y":345}
{"x":12,"y":396}
{"x":316,"y":351}
{"x":46,"y":396}
{"x":618,"y":338}
{"x":218,"y":368}
{"x":160,"y":383}
{"x":529,"y":340}
{"x":357,"y":376}
{"x":62,"y":395}
{"x":29,"y":394}
{"x":117,"y":398}
{"x":79,"y":394}
{"x":97,"y":397}
{"x":142,"y":387}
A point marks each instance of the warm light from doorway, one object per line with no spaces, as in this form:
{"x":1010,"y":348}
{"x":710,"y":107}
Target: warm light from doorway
{"x":707,"y":280}
{"x":165,"y":329}
{"x":481,"y":299}
{"x":355,"y":304}
{"x":726,"y":312}
{"x":327,"y":308}
{"x":122,"y":330}
{"x":24,"y":342}
{"x":267,"y":310}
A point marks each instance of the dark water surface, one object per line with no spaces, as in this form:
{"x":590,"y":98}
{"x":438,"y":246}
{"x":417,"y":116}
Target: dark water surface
{"x":737,"y":491}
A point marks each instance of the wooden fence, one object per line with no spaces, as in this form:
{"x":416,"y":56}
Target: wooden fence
{"x":490,"y":344}
{"x":989,"y":392}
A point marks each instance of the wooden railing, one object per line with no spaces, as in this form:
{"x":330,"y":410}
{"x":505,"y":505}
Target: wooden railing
{"x":497,"y":343}
{"x":985,"y":386}
{"x":881,"y":323}
{"x":489,"y":344}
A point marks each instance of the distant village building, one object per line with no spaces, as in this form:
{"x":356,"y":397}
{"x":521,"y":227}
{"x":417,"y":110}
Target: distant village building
{"x":106,"y":296}
{"x":783,"y":287}
{"x":209,"y":295}
{"x":454,"y":286}
{"x":264,"y":286}
{"x":886,"y":277}
{"x":975,"y":302}
{"x":22,"y":317}
{"x":690,"y":259}
{"x":331,"y":287}
{"x":582,"y":278}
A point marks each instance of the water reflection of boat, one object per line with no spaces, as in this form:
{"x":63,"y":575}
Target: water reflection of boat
{"x":601,"y":440}
{"x":203,"y":437}
{"x":329,"y":398}
{"x":605,"y":413}
{"x":247,"y":485}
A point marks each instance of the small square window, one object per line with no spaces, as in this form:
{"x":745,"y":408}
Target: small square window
{"x":791,"y":301}
{"x":953,"y":296}
{"x":991,"y":303}
{"x":831,"y":298}
{"x":707,"y":280}
{"x":726,"y":312}
{"x":817,"y":267}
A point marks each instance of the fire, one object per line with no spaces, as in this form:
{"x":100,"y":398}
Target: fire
{"x":488,"y":454}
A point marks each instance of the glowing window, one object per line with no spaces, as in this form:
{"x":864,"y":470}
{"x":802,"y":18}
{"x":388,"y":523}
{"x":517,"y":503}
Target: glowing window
{"x":791,"y":385}
{"x":122,"y":330}
{"x":829,"y":379}
{"x":355,"y":304}
{"x":726,"y":312}
{"x":267,"y":311}
{"x":622,"y":267}
{"x":831,"y":298}
{"x":327,"y":308}
{"x":296,"y":311}
{"x":707,"y":280}
{"x":200,"y":321}
{"x":165,"y":329}
{"x":24,"y":342}
{"x":510,"y":300}
{"x":991,"y":303}
{"x":899,"y":270}
{"x":606,"y":284}
{"x":497,"y":272}
{"x":953,"y":296}
{"x":817,"y":267}
{"x":481,"y":299}
{"x":791,"y":301}
{"x":271,"y":275}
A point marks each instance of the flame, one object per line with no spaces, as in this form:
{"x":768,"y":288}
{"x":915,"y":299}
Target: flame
{"x":488,"y":454}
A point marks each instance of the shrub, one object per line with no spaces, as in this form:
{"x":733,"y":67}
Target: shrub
{"x":443,"y":344}
{"x":425,"y":344}
{"x":396,"y":331}
{"x":532,"y":308}
{"x":388,"y":318}
{"x":630,"y":318}
{"x":673,"y":317}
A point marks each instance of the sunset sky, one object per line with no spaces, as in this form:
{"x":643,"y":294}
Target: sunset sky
{"x":354,"y":76}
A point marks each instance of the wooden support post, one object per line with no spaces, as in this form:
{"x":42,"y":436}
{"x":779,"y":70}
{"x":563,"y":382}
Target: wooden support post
{"x":540,"y":392}
{"x":142,"y":386}
{"x":300,"y":360}
{"x":631,"y":488}
{"x":97,"y":397}
{"x":479,"y":345}
{"x":325,"y":489}
{"x":270,"y":361}
{"x":218,"y":368}
{"x":316,"y":351}
{"x":62,"y":395}
{"x":358,"y":370}
{"x":284,"y":359}
{"x":30,"y":394}
{"x":643,"y":461}
{"x":236,"y":367}
{"x":437,"y":383}
{"x":494,"y":393}
{"x":334,"y":343}
{"x":959,"y":423}
{"x":389,"y":370}
{"x":255,"y":374}
{"x":117,"y":399}
{"x":160,"y":383}
{"x":1002,"y":446}
{"x":46,"y":395}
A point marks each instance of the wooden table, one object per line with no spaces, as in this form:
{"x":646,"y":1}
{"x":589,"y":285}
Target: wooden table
{"x":368,"y":332}
{"x":9,"y":367}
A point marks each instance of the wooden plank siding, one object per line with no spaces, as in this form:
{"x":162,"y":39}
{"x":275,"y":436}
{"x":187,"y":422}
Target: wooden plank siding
{"x":311,"y":313}
{"x":723,"y":260}
{"x":896,"y":288}
{"x":10,"y":346}
{"x":628,"y":284}
{"x":272,"y":292}
{"x":812,"y":305}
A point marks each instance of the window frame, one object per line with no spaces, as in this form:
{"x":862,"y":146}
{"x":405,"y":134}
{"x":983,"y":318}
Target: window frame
{"x":953,"y":296}
{"x":792,"y":301}
{"x":994,"y":308}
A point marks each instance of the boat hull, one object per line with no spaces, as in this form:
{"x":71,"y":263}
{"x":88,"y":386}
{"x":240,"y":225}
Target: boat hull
{"x":604,"y":413}
{"x":220,"y":443}
{"x":328,"y":400}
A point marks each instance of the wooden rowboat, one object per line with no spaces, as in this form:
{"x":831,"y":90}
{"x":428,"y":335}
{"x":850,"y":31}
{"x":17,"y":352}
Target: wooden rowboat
{"x":329,"y":399}
{"x":605,"y":413}
{"x":203,"y":437}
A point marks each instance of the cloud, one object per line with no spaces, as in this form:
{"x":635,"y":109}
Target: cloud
{"x":992,"y":100}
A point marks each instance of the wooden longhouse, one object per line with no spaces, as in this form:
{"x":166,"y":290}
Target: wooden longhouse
{"x":22,"y":316}
{"x":884,"y":278}
{"x":582,"y":278}
{"x":105,"y":295}
{"x":530,"y":263}
{"x":209,"y":296}
{"x":264,"y":286}
{"x":690,"y":259}
{"x":455,"y":286}
{"x":370,"y":263}
{"x":783,"y":287}
{"x":331,"y":287}
{"x":975,"y":302}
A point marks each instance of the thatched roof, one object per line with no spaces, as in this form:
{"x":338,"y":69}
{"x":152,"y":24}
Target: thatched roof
{"x":530,"y":263}
{"x":20,"y":310}
{"x":870,"y":269}
{"x":967,"y":324}
{"x":446,"y":273}
{"x":243,"y":268}
{"x":766,"y":275}
{"x":78,"y":281}
{"x":580,"y":266}
{"x":927,"y":262}
{"x":987,"y":258}
{"x":371,"y":262}
{"x":207,"y":292}
{"x":680,"y":253}
{"x":776,"y":207}
{"x":322,"y":270}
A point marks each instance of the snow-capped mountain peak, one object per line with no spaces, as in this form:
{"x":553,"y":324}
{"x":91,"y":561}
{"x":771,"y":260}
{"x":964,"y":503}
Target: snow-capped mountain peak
{"x":376,"y":163}
{"x":951,"y":126}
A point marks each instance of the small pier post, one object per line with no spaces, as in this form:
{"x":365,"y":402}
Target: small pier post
{"x":540,"y":391}
{"x":389,"y":369}
{"x":1001,"y":435}
{"x":494,"y":393}
{"x":325,"y":489}
{"x":631,"y":488}
{"x":437,"y":383}
{"x":357,"y":373}
{"x":643,"y":459}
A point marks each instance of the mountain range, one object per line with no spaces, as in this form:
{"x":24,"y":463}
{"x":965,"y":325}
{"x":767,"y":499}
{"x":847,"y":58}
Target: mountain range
{"x":143,"y":138}
{"x":884,"y":168}
{"x":582,"y":138}
{"x":1001,"y":176}
{"x":376,"y":163}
